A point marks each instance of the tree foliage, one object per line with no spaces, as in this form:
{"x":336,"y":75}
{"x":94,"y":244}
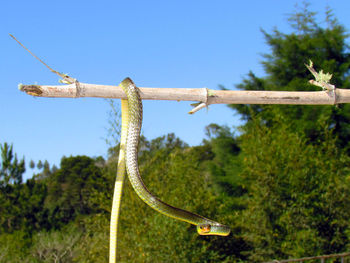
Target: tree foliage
{"x":285,"y":70}
{"x":70,"y":189}
{"x":11,"y":169}
{"x":298,"y":193}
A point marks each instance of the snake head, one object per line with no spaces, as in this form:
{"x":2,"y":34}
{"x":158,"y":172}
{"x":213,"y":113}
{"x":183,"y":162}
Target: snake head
{"x":213,"y":229}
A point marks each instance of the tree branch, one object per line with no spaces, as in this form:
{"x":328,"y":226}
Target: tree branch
{"x":75,"y":89}
{"x":78,"y":89}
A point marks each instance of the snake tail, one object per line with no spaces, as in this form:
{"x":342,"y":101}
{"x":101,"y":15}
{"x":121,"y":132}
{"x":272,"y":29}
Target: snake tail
{"x":118,"y":187}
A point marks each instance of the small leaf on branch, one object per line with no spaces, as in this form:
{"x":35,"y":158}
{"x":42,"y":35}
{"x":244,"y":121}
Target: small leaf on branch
{"x":321,"y":79}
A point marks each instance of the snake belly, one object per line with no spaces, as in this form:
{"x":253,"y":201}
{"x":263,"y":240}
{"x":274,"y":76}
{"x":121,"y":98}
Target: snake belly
{"x":204,"y":225}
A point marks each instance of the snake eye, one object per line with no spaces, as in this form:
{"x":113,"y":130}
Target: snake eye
{"x":205,"y":228}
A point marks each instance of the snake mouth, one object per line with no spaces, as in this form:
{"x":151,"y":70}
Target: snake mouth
{"x":213,"y":230}
{"x":204,"y":229}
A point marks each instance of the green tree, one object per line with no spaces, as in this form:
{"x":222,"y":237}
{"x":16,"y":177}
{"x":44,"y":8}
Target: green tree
{"x":11,"y":169}
{"x":39,"y":165}
{"x":45,"y":172}
{"x":70,"y":188}
{"x":298,"y":192}
{"x":31,"y":199}
{"x":223,"y":159}
{"x":32,"y":164}
{"x":285,"y":70}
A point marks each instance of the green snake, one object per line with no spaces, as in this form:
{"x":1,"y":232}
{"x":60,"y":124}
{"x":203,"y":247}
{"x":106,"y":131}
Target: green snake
{"x":204,"y":226}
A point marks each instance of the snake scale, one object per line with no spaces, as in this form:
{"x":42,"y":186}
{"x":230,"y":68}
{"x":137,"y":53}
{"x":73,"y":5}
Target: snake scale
{"x":204,"y":225}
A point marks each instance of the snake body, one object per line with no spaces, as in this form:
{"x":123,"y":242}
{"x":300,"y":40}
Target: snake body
{"x":204,"y":225}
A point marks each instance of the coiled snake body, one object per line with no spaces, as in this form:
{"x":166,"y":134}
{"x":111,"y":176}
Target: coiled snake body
{"x":204,"y":226}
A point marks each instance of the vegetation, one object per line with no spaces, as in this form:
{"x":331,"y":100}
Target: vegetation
{"x":282,"y":183}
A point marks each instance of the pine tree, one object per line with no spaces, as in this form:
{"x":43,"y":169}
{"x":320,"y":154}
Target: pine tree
{"x":11,"y":169}
{"x":285,"y":70}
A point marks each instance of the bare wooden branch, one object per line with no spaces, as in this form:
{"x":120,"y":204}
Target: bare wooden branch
{"x":78,"y":89}
{"x":75,"y":89}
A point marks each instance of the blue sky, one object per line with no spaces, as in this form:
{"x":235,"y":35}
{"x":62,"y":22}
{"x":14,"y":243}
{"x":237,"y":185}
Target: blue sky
{"x":173,"y":44}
